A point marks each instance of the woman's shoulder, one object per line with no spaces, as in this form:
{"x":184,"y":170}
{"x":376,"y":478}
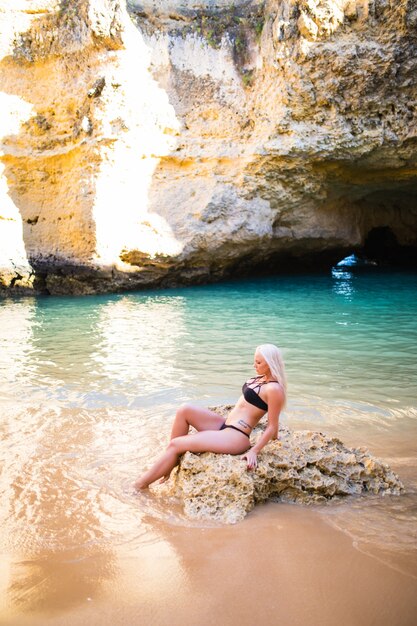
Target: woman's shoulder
{"x":274,"y":387}
{"x":274,"y":383}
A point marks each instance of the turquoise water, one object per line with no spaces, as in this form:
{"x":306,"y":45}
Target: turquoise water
{"x":89,"y":386}
{"x":347,"y":340}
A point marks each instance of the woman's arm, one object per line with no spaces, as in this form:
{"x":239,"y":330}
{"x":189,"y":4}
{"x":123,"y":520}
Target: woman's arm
{"x":275,"y":398}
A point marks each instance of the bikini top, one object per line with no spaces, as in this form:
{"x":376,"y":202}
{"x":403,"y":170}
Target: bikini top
{"x":251,"y":394}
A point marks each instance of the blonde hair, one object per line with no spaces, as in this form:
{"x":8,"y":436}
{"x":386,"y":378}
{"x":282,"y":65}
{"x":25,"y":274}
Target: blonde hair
{"x":273,"y":357}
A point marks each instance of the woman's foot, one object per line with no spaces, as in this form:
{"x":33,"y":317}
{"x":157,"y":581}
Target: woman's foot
{"x":140,"y":485}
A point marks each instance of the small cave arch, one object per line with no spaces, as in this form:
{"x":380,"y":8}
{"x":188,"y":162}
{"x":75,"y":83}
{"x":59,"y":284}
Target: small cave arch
{"x":381,"y":245}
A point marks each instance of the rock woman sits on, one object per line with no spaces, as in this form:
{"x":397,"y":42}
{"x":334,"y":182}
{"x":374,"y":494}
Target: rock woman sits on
{"x":265,"y":392}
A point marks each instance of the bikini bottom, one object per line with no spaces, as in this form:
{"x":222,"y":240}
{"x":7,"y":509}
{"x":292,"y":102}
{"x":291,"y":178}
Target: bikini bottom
{"x":223,"y":426}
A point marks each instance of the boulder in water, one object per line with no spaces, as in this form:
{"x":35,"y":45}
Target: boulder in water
{"x":302,"y":466}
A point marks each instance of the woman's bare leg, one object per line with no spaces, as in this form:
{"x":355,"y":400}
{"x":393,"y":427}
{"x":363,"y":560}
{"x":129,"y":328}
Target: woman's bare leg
{"x":161,"y":469}
{"x":201,"y":419}
{"x":187,"y":415}
{"x":222,"y":441}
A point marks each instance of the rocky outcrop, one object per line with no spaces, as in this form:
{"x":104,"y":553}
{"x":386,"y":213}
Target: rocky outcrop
{"x":302,"y":466}
{"x":158,"y":143}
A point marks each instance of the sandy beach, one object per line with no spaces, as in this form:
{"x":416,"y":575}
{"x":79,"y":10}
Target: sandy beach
{"x":282,"y":565}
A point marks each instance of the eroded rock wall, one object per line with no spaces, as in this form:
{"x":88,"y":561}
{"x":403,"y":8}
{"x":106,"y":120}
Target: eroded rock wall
{"x":153,"y":143}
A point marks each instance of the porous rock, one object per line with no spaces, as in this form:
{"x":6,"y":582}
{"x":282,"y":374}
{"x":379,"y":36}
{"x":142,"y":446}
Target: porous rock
{"x":301,"y":466}
{"x":147,"y":143}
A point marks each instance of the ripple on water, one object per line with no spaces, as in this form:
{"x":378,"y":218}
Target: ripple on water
{"x":384,"y":528}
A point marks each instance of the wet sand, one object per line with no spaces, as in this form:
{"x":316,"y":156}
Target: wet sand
{"x":283,"y":565}
{"x":78,"y":547}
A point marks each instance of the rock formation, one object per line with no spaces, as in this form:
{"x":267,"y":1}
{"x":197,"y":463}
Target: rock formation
{"x":302,"y":466}
{"x":173,"y":142}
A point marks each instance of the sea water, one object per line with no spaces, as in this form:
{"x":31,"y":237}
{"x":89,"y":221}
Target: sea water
{"x":89,"y":386}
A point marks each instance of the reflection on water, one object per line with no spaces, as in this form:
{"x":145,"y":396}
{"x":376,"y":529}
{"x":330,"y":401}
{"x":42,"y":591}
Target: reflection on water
{"x":16,"y":335}
{"x":141,"y":341}
{"x":89,"y":385}
{"x":343,"y":283}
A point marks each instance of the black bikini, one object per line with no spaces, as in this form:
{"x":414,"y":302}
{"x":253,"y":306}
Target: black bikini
{"x":252,"y":396}
{"x":223,"y":426}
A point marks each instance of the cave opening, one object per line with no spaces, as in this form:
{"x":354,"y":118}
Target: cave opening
{"x":381,"y":248}
{"x":381,"y":245}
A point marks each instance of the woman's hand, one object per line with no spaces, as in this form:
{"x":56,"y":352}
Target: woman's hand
{"x":251,"y":458}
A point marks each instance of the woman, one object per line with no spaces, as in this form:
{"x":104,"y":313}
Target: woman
{"x":266,"y":392}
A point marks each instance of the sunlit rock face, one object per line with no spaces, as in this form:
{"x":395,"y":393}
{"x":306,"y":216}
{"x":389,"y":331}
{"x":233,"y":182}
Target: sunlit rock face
{"x":302,"y":466}
{"x":156,"y":143}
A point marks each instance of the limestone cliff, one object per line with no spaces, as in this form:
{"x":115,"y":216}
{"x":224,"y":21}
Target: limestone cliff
{"x":302,"y":466}
{"x":154,"y":143}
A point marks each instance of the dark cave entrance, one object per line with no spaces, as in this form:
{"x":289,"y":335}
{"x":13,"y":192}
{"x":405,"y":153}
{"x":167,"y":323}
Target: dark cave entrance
{"x":381,"y":248}
{"x":381,"y":245}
